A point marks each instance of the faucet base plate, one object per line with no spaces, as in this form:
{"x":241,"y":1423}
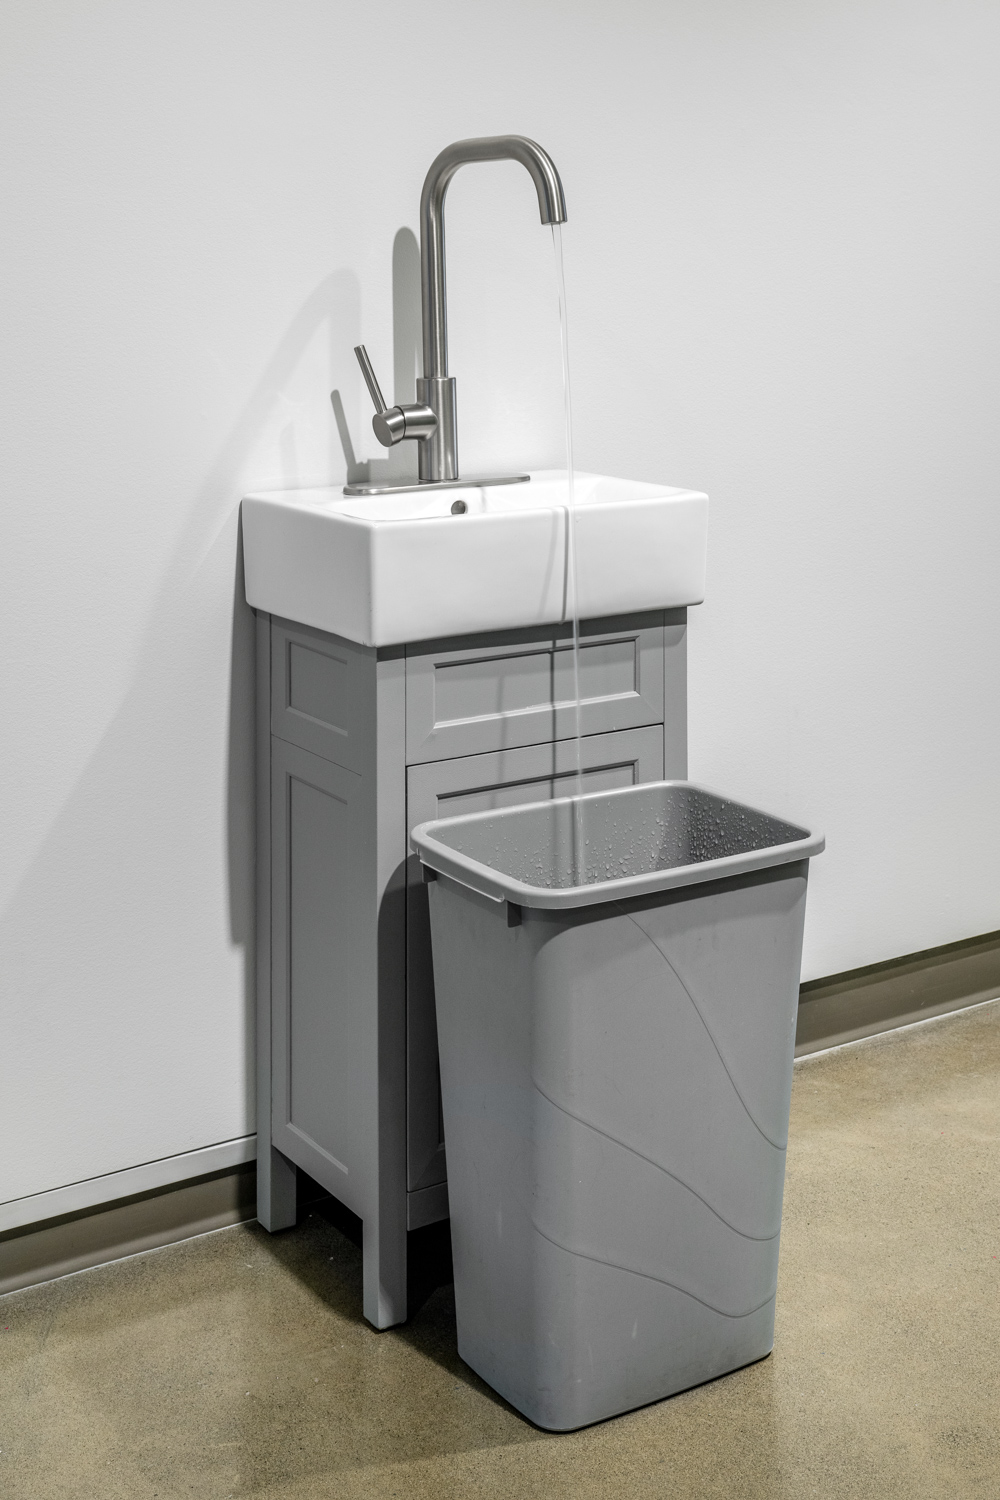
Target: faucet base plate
{"x":473,"y":481}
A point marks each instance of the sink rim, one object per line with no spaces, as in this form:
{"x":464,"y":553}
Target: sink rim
{"x":331,"y":500}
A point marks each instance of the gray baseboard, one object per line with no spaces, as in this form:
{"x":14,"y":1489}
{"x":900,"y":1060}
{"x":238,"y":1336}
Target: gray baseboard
{"x":863,"y":1002}
{"x":40,"y":1252}
{"x":841,"y":1008}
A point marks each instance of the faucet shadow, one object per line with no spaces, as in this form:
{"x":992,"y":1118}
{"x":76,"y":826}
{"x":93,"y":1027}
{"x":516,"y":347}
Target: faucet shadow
{"x":357,"y":472}
{"x":400,"y":463}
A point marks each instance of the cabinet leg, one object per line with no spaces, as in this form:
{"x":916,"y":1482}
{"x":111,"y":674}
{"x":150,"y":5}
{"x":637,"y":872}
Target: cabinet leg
{"x":275,"y":1190}
{"x":385,"y":1271}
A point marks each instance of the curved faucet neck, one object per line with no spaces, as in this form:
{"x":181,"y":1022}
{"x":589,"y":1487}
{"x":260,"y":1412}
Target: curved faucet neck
{"x":551,"y":208}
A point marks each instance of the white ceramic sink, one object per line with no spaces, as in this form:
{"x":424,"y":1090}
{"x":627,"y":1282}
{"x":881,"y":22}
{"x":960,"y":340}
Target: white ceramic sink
{"x":383,"y":569}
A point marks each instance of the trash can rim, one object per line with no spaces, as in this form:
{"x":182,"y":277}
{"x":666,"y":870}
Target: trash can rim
{"x":498,"y":886}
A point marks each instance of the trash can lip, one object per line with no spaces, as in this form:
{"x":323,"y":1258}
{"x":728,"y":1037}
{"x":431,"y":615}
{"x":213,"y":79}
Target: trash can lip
{"x":499,"y":886}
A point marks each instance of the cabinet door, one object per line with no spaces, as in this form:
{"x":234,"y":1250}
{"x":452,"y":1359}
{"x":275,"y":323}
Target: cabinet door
{"x":504,"y":690}
{"x":323,"y":967}
{"x":444,"y":789}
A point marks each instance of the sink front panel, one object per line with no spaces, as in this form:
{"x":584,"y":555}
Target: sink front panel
{"x":383,"y":570}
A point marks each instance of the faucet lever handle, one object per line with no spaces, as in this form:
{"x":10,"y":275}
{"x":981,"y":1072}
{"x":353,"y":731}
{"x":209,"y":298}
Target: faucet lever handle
{"x":392,"y":424}
{"x":370,"y":381}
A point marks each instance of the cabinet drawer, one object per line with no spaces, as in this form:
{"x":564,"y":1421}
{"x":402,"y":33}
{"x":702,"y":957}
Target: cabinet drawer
{"x":444,"y":789}
{"x":323,"y":694}
{"x":533,"y":773}
{"x":500,"y":691}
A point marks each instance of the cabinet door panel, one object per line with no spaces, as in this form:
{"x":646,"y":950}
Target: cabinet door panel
{"x":322,"y":963}
{"x":321,"y":694}
{"x":445,"y":789}
{"x":500,"y":692}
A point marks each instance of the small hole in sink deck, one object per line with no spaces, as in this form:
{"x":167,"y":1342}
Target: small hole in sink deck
{"x":458,"y":507}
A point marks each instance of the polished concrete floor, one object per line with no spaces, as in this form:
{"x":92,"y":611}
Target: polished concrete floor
{"x":238,"y":1365}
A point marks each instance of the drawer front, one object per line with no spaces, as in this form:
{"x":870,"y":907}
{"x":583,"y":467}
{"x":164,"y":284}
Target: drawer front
{"x":533,"y":774}
{"x":504,"y":691}
{"x":323,"y":694}
{"x":445,"y":789}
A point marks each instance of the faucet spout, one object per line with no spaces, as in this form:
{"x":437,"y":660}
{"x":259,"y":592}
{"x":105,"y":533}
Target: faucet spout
{"x":551,"y":208}
{"x":439,"y":454}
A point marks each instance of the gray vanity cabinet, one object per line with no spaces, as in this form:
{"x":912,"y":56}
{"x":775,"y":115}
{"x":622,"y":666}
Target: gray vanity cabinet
{"x":355,"y":746}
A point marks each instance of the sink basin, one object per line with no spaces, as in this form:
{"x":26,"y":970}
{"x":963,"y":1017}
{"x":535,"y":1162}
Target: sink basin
{"x":383,"y":569}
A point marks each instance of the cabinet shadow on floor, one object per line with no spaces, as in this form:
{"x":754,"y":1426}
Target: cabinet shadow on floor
{"x":324,"y":1253}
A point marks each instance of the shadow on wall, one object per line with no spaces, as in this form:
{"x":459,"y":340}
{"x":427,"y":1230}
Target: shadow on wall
{"x":400,"y":464}
{"x":116,"y":965}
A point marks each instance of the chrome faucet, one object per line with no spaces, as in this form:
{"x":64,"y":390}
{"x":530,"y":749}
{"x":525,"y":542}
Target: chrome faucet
{"x":432,"y":421}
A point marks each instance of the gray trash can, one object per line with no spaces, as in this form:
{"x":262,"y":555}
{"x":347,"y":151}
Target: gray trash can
{"x":617,"y":980}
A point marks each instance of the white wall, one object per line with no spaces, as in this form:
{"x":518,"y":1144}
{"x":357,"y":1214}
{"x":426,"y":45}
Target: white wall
{"x":782,"y":261}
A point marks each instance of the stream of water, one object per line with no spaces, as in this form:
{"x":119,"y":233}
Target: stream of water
{"x":571,"y":604}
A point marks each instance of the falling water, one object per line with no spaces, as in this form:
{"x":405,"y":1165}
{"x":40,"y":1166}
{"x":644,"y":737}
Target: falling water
{"x":572,"y":603}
